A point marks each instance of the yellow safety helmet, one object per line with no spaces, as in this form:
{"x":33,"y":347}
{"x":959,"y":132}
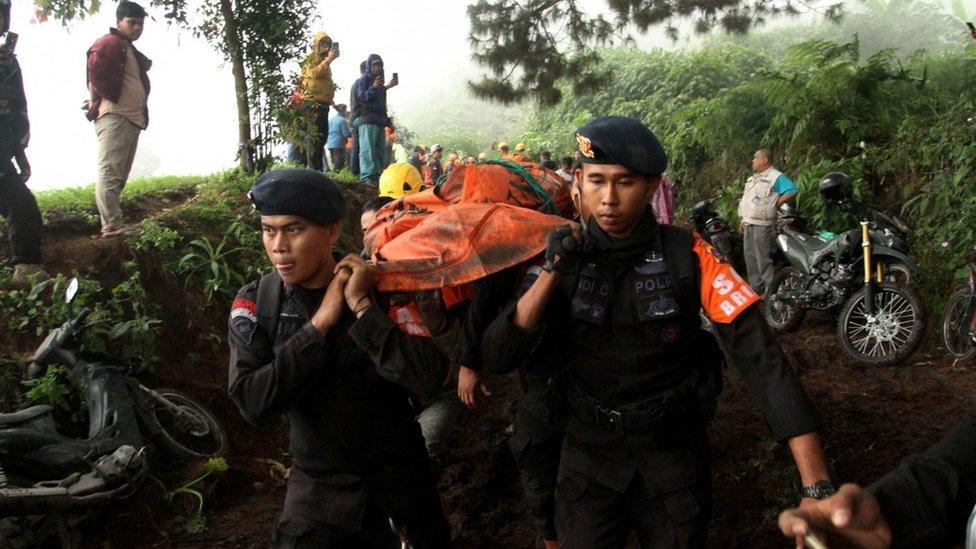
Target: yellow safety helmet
{"x":399,"y":180}
{"x":520,"y":147}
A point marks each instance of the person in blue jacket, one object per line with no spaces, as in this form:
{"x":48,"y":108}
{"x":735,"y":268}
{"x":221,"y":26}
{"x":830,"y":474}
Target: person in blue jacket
{"x":338,"y":134}
{"x":372,"y":116}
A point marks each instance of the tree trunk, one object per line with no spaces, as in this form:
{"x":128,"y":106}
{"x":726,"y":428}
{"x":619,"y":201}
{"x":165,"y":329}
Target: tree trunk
{"x":236,"y":53}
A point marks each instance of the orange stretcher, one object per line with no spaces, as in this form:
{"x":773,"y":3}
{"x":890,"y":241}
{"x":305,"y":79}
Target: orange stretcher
{"x":480,"y":220}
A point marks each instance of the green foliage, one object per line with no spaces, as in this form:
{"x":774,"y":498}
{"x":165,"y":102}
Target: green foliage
{"x":122,"y":320}
{"x":155,"y":237}
{"x":223,"y":267}
{"x":52,"y":388}
{"x":899,"y":123}
{"x":196,"y":522}
{"x":903,"y":26}
{"x":530,"y":47}
{"x":83,"y":198}
{"x":270,"y":34}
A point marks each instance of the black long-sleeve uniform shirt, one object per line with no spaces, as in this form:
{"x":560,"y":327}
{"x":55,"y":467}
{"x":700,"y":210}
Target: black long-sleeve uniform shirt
{"x":351,"y":424}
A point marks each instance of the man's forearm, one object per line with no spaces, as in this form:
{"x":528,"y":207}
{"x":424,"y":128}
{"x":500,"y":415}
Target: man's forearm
{"x":809,"y":458}
{"x":532,"y":304}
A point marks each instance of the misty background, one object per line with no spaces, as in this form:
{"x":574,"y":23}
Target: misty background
{"x":192,"y":127}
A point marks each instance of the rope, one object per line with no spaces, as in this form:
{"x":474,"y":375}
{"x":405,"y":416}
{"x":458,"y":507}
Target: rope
{"x":548,"y":206}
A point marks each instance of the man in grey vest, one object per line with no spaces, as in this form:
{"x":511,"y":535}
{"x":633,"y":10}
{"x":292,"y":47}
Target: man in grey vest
{"x":765,"y":191}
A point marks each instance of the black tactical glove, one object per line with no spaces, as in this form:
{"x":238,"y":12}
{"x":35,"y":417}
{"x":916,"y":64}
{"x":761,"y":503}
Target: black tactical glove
{"x":561,"y":242}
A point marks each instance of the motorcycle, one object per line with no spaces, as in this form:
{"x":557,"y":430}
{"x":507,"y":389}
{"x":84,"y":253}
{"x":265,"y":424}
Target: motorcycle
{"x":959,"y":319}
{"x":881,"y":320}
{"x":45,"y":472}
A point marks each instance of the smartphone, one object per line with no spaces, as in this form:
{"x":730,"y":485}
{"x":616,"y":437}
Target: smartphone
{"x":11,"y":42}
{"x":395,"y":75}
{"x":335,"y":46}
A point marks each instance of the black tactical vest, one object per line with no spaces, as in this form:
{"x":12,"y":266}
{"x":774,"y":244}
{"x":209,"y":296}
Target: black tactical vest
{"x":634,"y":328}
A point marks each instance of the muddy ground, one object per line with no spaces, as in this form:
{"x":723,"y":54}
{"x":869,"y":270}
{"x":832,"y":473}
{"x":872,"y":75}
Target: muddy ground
{"x":872,"y":417}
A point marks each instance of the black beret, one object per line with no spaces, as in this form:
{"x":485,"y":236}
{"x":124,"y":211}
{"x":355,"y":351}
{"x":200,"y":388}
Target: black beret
{"x":129,"y":9}
{"x":624,"y":141}
{"x":306,"y":193}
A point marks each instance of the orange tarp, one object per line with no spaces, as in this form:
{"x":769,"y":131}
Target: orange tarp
{"x":482,"y":219}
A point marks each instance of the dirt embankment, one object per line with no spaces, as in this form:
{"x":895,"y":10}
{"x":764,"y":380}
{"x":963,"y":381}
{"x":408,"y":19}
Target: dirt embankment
{"x":872,"y":418}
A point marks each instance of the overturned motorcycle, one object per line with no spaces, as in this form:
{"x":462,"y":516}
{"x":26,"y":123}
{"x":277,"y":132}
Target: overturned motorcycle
{"x":44,"y":472}
{"x":881,"y":320}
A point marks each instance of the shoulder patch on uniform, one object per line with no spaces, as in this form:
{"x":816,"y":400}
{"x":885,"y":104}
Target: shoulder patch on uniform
{"x":243,"y":307}
{"x":724,"y":294}
{"x":243,"y":318}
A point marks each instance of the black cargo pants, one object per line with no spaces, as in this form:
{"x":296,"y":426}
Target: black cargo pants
{"x":667,"y":502}
{"x":536,"y":445}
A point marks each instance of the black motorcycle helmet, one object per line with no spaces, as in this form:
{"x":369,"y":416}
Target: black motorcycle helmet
{"x":836,"y":187}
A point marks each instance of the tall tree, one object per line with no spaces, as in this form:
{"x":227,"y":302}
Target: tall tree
{"x":528,"y":46}
{"x":255,"y":36}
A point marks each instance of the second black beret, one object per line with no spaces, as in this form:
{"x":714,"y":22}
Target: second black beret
{"x":294,"y":191}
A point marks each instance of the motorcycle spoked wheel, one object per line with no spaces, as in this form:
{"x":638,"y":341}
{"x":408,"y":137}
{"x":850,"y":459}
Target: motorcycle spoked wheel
{"x":894,"y":332}
{"x":196,"y":433}
{"x":955,"y":326}
{"x":782,"y":316}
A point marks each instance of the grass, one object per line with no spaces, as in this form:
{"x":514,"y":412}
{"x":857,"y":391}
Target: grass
{"x":74,"y":198}
{"x":77,"y":198}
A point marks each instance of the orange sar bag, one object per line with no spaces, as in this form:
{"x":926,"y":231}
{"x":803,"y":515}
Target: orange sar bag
{"x":480,"y":220}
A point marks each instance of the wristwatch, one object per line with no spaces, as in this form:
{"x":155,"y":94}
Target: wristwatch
{"x":818,"y":490}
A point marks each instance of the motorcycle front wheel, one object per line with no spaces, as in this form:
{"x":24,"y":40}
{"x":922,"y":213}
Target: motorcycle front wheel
{"x":955,"y":326}
{"x":188,"y":430}
{"x":781,"y":314}
{"x":891,"y":334}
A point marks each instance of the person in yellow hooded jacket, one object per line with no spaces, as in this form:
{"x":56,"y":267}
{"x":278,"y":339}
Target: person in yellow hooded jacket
{"x":318,"y":91}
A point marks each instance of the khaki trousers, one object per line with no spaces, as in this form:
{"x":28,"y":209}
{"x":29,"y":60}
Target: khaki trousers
{"x":758,"y":242}
{"x":117,"y":140}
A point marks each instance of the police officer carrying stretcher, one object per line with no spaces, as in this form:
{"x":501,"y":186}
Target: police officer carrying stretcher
{"x":308,"y":340}
{"x":616,"y":306}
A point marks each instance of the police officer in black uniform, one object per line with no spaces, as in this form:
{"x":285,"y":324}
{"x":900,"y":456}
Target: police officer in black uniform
{"x":621,"y":318}
{"x":359,"y":462}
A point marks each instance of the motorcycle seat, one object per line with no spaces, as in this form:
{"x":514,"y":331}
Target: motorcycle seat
{"x":24,"y":415}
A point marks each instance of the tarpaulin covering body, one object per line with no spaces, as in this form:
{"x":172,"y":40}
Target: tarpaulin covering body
{"x":482,"y":219}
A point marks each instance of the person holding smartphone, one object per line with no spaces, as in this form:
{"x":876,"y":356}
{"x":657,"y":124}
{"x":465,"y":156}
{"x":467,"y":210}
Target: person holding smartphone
{"x":972,"y":29}
{"x":373,"y":118}
{"x":318,"y":91}
{"x":17,"y":204}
